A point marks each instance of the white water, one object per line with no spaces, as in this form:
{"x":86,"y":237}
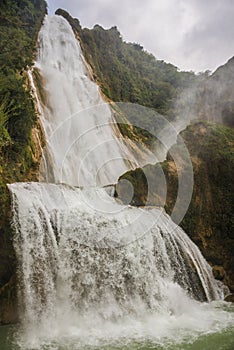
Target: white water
{"x":89,"y":266}
{"x":92,"y":271}
{"x":84,"y":146}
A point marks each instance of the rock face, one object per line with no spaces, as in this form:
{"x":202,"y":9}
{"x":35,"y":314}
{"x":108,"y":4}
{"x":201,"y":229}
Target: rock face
{"x":209,"y":219}
{"x":230,"y":298}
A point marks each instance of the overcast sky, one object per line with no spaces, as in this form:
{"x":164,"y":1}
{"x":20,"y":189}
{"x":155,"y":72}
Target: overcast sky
{"x":192,"y":34}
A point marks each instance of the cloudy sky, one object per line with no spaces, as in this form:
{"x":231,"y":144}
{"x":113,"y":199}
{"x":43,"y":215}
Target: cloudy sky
{"x":192,"y":34}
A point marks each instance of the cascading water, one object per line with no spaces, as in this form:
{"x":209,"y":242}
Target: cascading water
{"x":92,"y":271}
{"x":80,"y":130}
{"x":84,"y":272}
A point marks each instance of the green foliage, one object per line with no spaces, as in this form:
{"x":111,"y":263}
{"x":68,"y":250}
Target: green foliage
{"x":19,"y":110}
{"x":38,"y":81}
{"x":210,"y":214}
{"x":5,"y":139}
{"x":20,"y":21}
{"x":126,"y":72}
{"x":211,"y":142}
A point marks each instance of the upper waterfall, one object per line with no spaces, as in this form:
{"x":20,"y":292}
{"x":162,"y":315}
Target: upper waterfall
{"x":84,"y":145}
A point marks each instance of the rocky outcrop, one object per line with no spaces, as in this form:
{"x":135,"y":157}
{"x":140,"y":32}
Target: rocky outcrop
{"x":209,"y":219}
{"x":230,"y":298}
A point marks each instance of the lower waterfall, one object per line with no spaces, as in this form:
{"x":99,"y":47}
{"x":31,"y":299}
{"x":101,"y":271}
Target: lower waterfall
{"x":85,"y":263}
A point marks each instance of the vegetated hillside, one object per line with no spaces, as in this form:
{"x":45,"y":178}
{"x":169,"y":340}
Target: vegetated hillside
{"x":20,"y":21}
{"x":126,"y":72}
{"x":212,"y":98}
{"x":209,"y":220}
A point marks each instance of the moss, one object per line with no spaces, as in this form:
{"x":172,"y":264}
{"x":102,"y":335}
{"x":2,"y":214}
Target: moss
{"x":38,"y":80}
{"x":209,"y":219}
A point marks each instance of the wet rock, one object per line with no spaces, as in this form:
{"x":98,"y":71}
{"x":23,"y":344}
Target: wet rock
{"x":8,"y":303}
{"x":219,"y":272}
{"x":230,"y":298}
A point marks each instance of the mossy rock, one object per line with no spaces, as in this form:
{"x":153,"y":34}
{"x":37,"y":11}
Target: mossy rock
{"x":209,"y":218}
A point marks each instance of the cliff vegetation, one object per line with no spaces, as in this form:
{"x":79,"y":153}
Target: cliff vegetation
{"x":20,"y":21}
{"x":128,"y":73}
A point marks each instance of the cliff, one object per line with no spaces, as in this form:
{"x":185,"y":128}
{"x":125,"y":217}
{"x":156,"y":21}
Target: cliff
{"x":19,"y":129}
{"x":209,"y":219}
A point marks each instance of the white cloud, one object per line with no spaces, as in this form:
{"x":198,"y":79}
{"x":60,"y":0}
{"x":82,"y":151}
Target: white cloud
{"x":192,"y":34}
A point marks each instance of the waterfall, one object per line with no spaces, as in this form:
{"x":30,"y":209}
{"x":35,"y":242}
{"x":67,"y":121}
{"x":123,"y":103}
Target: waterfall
{"x":84,"y":145}
{"x":83,"y":258}
{"x":81,"y":250}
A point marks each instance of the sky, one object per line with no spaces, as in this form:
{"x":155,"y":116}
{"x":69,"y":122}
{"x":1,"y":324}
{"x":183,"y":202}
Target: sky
{"x":193,"y":35}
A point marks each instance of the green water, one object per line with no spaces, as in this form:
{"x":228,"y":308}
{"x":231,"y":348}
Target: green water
{"x":210,"y":326}
{"x":6,"y":337}
{"x":218,"y":341}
